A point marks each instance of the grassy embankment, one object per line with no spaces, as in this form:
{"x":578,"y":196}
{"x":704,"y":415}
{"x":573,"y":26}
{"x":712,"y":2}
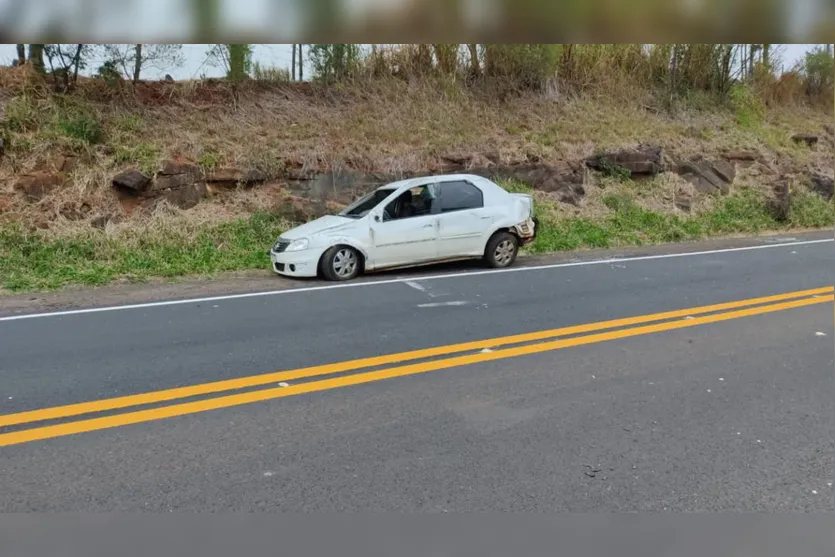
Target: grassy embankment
{"x":384,"y":127}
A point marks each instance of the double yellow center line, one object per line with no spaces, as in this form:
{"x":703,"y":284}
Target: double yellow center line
{"x":468,"y":353}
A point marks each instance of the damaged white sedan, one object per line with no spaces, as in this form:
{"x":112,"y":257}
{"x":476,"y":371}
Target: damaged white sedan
{"x":408,"y":223}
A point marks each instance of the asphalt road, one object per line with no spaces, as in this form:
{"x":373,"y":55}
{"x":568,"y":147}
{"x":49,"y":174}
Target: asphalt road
{"x":733,"y":414}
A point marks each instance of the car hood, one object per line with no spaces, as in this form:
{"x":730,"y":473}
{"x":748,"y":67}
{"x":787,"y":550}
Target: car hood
{"x":328,"y":223}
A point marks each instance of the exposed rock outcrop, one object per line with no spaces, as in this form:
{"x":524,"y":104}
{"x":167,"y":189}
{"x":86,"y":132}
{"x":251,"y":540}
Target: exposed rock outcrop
{"x":823,"y":185}
{"x":780,"y":203}
{"x":132,"y":182}
{"x":644,"y":160}
{"x":231,"y":177}
{"x":38,"y":185}
{"x":809,"y":139}
{"x":708,"y":177}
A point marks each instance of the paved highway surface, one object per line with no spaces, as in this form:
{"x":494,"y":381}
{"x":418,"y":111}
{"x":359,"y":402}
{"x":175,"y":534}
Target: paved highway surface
{"x":695,"y":383}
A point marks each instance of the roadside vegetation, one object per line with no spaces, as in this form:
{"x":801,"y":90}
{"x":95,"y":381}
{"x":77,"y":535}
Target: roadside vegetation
{"x":388,"y":111}
{"x":162,"y":249}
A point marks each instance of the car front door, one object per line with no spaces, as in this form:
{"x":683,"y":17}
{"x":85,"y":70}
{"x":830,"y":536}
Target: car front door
{"x":463,"y":220}
{"x":407,"y":231}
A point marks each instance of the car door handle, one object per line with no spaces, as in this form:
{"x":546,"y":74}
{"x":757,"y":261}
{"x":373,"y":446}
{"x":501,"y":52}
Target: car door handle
{"x":429,"y":226}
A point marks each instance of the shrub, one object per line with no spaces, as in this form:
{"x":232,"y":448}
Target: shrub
{"x":749,"y":108}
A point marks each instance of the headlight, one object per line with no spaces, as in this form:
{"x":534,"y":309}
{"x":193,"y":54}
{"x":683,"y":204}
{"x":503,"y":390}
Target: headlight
{"x":298,"y":245}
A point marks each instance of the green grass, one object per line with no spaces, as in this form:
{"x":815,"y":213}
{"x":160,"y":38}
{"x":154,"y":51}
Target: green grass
{"x":63,"y":120}
{"x":629,"y":224}
{"x":31,"y":261}
{"x":145,"y":156}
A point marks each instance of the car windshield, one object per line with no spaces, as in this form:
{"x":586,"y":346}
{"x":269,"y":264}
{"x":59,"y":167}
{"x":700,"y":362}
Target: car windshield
{"x":362,"y":206}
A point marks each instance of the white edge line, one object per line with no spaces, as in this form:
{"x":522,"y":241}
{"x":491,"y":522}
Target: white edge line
{"x":407,"y":280}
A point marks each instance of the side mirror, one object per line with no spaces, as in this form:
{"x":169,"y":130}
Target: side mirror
{"x":376,"y":218}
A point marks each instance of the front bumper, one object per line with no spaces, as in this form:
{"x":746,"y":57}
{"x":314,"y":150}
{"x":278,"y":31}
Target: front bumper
{"x":303,"y":263}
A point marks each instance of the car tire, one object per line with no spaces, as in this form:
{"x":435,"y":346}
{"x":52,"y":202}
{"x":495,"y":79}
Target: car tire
{"x":501,"y":250}
{"x":341,"y":263}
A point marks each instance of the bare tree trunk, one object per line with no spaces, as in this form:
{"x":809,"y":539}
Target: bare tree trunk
{"x":474,"y":63}
{"x":727,"y":59}
{"x":293,"y":63}
{"x":137,"y":63}
{"x":76,"y":60}
{"x":301,"y":64}
{"x":21,"y":54}
{"x":237,"y":62}
{"x":36,"y":57}
{"x":673,"y":72}
{"x":751,"y":53}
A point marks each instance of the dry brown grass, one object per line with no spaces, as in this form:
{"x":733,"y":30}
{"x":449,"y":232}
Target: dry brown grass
{"x":385,"y":125}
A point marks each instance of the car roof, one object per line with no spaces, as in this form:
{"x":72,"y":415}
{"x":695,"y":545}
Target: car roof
{"x":436,"y":178}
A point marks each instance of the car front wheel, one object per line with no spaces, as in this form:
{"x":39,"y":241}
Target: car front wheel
{"x":341,"y":263}
{"x":501,"y":250}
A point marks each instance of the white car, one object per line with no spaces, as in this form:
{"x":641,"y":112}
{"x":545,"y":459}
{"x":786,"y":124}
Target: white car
{"x":408,"y":223}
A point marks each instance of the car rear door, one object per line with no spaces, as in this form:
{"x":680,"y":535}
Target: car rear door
{"x":463,"y":220}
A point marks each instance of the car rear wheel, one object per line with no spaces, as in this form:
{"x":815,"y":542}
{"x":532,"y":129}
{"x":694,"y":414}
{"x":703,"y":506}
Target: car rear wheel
{"x":501,"y":250}
{"x":341,"y":263}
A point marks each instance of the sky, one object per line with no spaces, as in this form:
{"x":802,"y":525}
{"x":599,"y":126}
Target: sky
{"x":280,"y":55}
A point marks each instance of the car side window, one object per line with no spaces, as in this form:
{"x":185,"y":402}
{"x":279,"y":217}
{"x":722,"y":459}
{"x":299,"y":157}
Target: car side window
{"x":414,"y":202}
{"x":460,"y":196}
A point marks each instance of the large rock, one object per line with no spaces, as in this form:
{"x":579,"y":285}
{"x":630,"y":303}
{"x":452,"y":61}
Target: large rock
{"x":709,"y":177}
{"x":186,"y":197}
{"x":565,"y":181}
{"x":181,"y":183}
{"x":743,"y":158}
{"x":644,"y":160}
{"x":177,"y":174}
{"x":822,"y":185}
{"x":300,"y":210}
{"x":65,"y":163}
{"x":38,"y":185}
{"x":231,"y":177}
{"x":809,"y":139}
{"x":683,"y":200}
{"x":780,"y":203}
{"x":132,"y":182}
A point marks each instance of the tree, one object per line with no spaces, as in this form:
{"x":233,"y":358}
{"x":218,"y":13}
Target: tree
{"x":236,"y":59}
{"x":819,"y":69}
{"x":133,"y":59}
{"x":21,"y":54}
{"x":475,"y":66}
{"x":526,"y":66}
{"x":447,"y":57}
{"x":334,"y":61}
{"x":766,"y":57}
{"x":65,"y":61}
{"x":36,"y":52}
